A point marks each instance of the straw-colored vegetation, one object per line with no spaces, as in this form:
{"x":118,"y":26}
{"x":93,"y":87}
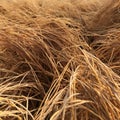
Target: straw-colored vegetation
{"x":59,"y":60}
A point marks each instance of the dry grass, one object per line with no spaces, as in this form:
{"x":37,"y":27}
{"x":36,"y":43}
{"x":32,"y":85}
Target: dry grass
{"x":59,"y":60}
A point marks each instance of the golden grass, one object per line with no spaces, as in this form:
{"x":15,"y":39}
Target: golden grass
{"x":59,"y":60}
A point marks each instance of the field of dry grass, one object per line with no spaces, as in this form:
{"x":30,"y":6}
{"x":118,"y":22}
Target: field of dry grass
{"x":59,"y":60}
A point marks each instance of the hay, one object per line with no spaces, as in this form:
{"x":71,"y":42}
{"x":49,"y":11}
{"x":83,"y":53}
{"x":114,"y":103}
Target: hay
{"x":57,"y":62}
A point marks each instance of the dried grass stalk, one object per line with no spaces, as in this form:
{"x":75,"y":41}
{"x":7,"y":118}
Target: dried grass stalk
{"x":55,"y":64}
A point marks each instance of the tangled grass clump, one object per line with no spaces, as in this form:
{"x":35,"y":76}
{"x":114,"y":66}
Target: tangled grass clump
{"x":59,"y":60}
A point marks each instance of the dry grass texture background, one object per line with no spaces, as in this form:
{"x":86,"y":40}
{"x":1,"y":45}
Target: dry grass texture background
{"x":59,"y":60}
